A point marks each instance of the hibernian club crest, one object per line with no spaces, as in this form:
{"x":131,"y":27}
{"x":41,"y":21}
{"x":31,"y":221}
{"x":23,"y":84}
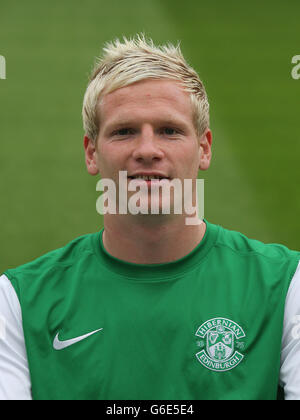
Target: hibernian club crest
{"x":221,"y":342}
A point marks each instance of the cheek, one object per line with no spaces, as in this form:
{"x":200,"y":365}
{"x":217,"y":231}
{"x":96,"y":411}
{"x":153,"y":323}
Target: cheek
{"x":109,"y":163}
{"x":104,"y":156}
{"x":188,"y":162}
{"x":115,"y":154}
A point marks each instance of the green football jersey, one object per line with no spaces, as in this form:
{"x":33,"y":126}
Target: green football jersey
{"x":207,"y":326}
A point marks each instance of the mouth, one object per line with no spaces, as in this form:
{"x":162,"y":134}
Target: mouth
{"x":149,"y":178}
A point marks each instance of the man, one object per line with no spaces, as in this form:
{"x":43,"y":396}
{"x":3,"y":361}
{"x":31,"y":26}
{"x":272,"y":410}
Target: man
{"x":151,"y":307}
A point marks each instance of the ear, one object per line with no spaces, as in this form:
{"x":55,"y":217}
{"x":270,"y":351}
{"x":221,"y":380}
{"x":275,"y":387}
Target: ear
{"x":205,"y":144}
{"x":90,"y":156}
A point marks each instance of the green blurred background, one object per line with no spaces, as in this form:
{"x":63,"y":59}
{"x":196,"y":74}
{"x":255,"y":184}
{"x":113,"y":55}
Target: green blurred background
{"x":243,"y":53}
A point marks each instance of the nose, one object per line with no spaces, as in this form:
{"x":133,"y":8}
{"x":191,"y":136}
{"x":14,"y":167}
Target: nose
{"x":147,"y":147}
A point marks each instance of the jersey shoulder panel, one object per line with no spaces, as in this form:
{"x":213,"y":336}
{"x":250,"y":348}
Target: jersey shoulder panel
{"x":57,"y":260}
{"x":241,"y":244}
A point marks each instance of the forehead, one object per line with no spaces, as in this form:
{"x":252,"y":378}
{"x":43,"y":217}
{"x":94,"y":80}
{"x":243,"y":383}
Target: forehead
{"x":165,"y":98}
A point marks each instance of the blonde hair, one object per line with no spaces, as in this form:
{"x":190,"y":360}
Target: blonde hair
{"x":133,"y":60}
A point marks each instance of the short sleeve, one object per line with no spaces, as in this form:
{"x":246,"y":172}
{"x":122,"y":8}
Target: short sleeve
{"x":14,"y":372}
{"x":290,"y":354}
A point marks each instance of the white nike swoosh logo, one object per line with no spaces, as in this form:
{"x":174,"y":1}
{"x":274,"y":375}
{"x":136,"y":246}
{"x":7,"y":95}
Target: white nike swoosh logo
{"x":60,"y":345}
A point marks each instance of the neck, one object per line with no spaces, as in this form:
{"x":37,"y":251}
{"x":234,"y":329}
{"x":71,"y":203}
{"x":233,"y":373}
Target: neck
{"x":133,"y":240}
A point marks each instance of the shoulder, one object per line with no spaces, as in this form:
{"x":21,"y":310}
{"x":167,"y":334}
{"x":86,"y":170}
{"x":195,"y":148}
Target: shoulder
{"x":244,"y":246}
{"x":57,"y":260}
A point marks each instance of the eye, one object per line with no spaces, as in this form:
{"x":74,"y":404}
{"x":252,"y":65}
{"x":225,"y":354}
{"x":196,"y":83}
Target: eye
{"x":123,"y":132}
{"x":169,"y":131}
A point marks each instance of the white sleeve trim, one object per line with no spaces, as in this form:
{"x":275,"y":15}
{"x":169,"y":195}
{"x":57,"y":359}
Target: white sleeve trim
{"x":290,"y":354}
{"x":14,"y":372}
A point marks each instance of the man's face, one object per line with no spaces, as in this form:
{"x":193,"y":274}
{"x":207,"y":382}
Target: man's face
{"x":148,"y":127}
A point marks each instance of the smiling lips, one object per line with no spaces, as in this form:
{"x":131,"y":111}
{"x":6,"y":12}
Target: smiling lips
{"x":150,"y":176}
{"x":149,"y":180}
